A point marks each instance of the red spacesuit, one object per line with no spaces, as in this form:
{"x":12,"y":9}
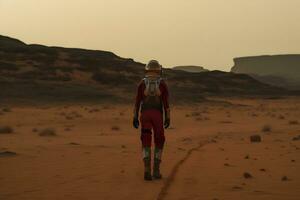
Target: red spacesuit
{"x":152,"y":100}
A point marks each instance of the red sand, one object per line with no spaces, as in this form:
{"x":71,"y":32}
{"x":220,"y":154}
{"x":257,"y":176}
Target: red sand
{"x":204,"y":156}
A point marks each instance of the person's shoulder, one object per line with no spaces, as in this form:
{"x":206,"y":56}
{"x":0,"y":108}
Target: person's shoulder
{"x":163,"y":82}
{"x":141,"y":82}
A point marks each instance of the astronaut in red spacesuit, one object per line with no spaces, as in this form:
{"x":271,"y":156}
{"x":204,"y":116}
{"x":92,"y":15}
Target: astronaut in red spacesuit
{"x":152,"y":102}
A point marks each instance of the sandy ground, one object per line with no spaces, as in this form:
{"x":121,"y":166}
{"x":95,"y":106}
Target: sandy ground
{"x":96,"y":154}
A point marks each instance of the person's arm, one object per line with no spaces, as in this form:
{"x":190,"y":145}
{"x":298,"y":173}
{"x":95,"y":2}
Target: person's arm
{"x":138,"y":100}
{"x":165,"y":100}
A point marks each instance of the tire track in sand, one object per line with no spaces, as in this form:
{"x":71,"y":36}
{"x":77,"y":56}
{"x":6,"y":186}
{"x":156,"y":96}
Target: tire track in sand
{"x":170,"y":179}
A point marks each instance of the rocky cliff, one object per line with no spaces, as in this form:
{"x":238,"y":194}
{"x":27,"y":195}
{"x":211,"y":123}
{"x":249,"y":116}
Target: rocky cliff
{"x":283,"y":70}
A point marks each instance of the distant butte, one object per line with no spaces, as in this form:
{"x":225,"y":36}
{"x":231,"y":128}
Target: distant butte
{"x":278,"y":70}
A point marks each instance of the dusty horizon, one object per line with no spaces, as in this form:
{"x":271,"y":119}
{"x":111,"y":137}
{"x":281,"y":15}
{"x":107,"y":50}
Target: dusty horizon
{"x":204,"y":33}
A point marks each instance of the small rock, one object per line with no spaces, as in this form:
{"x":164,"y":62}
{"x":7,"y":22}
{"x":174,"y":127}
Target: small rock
{"x":284,"y":178}
{"x":247,"y":157}
{"x":213,"y":141}
{"x":115,"y":128}
{"x":6,"y":130}
{"x":34,"y":130}
{"x":293,"y":122}
{"x":74,"y":143}
{"x":266,"y":128}
{"x":47,"y":132}
{"x":296,"y":138}
{"x":237,"y":188}
{"x":255,"y":138}
{"x":262,"y":170}
{"x":69,"y":117}
{"x":6,"y":110}
{"x":7,"y":153}
{"x":247,"y":175}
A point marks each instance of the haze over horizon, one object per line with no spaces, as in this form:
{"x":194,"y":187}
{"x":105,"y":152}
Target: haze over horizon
{"x":208,"y":33}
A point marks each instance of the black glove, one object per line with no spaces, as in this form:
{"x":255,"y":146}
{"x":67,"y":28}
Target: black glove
{"x":167,"y":123}
{"x":136,"y":122}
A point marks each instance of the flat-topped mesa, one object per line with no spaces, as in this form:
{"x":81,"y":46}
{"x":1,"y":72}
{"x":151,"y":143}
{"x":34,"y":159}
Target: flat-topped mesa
{"x":190,"y":68}
{"x":286,"y":66}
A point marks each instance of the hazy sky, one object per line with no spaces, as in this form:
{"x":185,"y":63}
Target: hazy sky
{"x":209,"y":33}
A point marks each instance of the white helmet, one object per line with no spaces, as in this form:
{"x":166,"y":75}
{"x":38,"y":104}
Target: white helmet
{"x":153,"y":66}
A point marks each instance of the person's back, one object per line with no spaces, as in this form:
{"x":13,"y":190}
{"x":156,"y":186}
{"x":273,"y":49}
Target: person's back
{"x":152,"y":100}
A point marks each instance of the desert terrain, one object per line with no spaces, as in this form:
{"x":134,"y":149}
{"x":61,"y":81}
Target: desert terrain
{"x":91,"y":151}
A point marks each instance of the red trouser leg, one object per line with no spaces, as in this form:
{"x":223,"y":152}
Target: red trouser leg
{"x":152,"y":119}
